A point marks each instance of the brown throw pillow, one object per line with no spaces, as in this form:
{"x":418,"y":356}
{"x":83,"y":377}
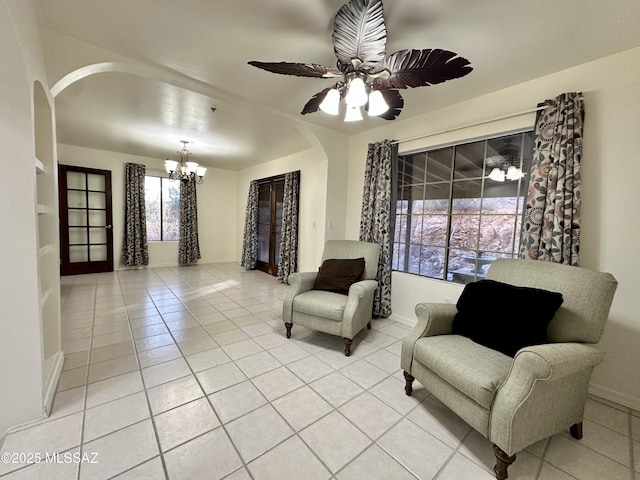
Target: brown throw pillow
{"x":337,"y":275}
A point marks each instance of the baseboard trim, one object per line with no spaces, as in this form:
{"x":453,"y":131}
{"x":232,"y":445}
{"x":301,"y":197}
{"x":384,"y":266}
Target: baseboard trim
{"x":52,"y":384}
{"x":615,"y":397}
{"x":407,"y":322}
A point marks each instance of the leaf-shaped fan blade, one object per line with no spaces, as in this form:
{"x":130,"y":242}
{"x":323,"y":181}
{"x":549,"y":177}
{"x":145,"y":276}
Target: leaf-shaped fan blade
{"x":313,"y":105}
{"x":359,"y":32}
{"x":395,"y":102}
{"x":418,"y":68}
{"x":298,"y":69}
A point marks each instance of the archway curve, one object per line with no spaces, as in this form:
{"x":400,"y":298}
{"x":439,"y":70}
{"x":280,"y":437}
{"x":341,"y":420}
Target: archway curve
{"x":186,"y":83}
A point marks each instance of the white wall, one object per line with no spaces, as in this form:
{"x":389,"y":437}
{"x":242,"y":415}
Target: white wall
{"x":610,"y":226}
{"x":216,"y":206}
{"x":20,"y":330}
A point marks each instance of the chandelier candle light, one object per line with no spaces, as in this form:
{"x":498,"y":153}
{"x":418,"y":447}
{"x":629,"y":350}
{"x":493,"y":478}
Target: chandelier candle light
{"x":184,"y":170}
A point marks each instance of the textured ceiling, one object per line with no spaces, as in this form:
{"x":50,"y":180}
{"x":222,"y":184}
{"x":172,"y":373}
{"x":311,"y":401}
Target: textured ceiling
{"x":193,"y":55}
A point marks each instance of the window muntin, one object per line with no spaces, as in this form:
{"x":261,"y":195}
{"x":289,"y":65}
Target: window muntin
{"x":162,"y":201}
{"x":451,"y":219}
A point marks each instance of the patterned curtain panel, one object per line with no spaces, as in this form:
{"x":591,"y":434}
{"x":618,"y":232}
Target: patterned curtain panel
{"x":289,"y":239}
{"x":377,"y":221}
{"x":552,"y":219}
{"x":189,"y":247}
{"x":134,"y":249}
{"x":250,"y":239}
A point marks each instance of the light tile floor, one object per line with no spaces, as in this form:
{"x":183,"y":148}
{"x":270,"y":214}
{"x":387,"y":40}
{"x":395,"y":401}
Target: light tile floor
{"x":185,"y":373}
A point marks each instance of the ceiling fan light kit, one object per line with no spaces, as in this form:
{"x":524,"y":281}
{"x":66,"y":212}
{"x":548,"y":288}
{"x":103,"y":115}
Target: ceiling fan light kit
{"x":370,"y":79}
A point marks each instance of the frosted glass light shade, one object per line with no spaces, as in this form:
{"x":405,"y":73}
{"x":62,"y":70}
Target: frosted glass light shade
{"x":191,"y":167}
{"x":497,"y":175}
{"x":331,"y":102}
{"x":357,"y":94}
{"x":170,"y":165}
{"x":377,"y":104}
{"x":200,"y":171}
{"x":353,"y":114}
{"x":514,"y":173}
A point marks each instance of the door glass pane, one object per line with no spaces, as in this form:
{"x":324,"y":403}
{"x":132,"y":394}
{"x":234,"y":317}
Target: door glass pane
{"x":279,"y":203}
{"x":95,"y":182}
{"x":98,"y":253}
{"x":77,"y":218}
{"x":77,"y":235}
{"x":97,"y":235}
{"x":78,"y":254}
{"x":76,"y":180}
{"x":263,"y":243}
{"x":264,"y":204}
{"x":76,"y":199}
{"x":276,"y":261}
{"x":97,"y":218}
{"x":97,"y":200}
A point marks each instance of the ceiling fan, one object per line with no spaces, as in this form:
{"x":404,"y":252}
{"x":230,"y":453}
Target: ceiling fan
{"x":368,"y":77}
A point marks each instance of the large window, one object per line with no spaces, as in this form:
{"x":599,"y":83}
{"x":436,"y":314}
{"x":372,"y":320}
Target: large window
{"x":460,"y":207}
{"x":162,"y":200}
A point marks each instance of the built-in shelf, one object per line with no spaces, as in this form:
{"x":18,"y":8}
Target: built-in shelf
{"x":46,"y":200}
{"x":45,"y":250}
{"x":40,"y":167}
{"x":44,"y":296}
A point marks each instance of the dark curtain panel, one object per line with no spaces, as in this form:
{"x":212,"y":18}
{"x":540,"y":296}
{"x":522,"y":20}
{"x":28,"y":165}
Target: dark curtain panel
{"x":289,"y":238}
{"x":134,"y":249}
{"x":250,"y":239}
{"x":378,"y":215}
{"x":552,"y":219}
{"x":189,"y":247}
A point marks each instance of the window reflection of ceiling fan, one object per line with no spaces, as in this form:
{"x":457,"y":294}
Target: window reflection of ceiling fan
{"x":368,"y":77}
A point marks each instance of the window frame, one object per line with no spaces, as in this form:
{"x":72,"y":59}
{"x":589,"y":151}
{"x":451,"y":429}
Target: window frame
{"x":406,"y":216}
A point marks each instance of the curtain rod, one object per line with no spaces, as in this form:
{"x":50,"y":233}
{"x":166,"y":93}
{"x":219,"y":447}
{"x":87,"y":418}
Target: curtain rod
{"x":482,"y":122}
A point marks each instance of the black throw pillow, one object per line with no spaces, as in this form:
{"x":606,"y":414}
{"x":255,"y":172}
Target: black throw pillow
{"x":337,"y":275}
{"x":505,"y":317}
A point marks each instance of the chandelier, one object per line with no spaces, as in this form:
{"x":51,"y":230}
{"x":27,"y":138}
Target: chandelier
{"x":184,"y":169}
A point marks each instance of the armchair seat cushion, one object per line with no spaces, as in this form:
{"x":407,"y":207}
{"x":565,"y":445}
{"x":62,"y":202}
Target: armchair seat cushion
{"x":471,"y":368}
{"x":321,"y":304}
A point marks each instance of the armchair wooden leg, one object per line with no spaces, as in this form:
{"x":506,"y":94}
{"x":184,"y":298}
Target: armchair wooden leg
{"x":347,"y":346}
{"x":502,"y":462}
{"x":369,"y":325}
{"x":408,"y":388}
{"x":288,"y":327}
{"x":576,"y":431}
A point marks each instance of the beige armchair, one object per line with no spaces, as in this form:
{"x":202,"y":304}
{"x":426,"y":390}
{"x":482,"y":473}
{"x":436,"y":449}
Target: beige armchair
{"x":541,"y":391}
{"x":330,"y":312}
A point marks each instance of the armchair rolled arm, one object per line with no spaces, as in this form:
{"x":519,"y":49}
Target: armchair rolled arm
{"x":299,"y":282}
{"x":553,"y":361}
{"x":359,"y":307}
{"x":541,"y":376}
{"x":433,"y":319}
